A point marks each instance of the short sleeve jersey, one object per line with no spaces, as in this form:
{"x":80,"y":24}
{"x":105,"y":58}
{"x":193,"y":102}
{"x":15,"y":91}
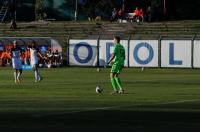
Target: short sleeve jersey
{"x":119,"y":52}
{"x":16,"y":53}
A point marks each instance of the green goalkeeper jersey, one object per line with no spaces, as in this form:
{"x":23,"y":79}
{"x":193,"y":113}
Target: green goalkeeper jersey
{"x":119,"y":52}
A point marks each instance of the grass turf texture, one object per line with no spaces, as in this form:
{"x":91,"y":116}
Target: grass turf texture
{"x":154,"y":100}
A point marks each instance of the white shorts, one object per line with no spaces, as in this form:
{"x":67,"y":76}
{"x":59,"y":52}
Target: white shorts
{"x":16,"y":63}
{"x":34,"y":61}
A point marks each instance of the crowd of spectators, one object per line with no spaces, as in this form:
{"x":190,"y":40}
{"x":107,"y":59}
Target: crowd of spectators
{"x":137,"y":15}
{"x":54,"y":58}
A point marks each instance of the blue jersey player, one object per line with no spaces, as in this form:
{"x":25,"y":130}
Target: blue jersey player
{"x":16,"y":62}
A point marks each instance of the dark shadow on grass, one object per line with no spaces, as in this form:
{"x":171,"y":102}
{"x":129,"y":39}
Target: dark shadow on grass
{"x":103,"y":120}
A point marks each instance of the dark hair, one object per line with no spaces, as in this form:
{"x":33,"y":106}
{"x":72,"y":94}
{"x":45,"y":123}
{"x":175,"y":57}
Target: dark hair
{"x":117,"y":38}
{"x":34,"y":44}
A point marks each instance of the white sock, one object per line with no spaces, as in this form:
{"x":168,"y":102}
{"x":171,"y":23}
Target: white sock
{"x":18,"y":75}
{"x":15,"y":76}
{"x":39,"y":76}
{"x":36,"y":75}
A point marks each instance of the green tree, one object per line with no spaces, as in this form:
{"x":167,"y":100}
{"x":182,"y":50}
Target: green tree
{"x":40,"y":10}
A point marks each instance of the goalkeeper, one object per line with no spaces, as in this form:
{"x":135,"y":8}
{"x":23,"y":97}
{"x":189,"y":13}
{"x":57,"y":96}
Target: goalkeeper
{"x":117,"y":62}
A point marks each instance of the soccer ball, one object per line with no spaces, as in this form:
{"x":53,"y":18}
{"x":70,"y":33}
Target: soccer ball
{"x":99,"y":90}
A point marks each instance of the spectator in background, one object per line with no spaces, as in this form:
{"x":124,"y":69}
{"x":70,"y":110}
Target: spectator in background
{"x":57,"y":58}
{"x":149,"y":14}
{"x":23,"y":56}
{"x":114,"y":15}
{"x":141,"y":15}
{"x":49,"y":56}
{"x":0,"y":57}
{"x":5,"y":57}
{"x":27,"y":56}
{"x":12,"y":12}
{"x":136,"y":13}
{"x":120,"y":15}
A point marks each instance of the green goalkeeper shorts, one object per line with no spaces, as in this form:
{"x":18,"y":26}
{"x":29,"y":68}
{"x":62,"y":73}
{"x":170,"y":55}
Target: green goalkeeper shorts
{"x":116,"y":69}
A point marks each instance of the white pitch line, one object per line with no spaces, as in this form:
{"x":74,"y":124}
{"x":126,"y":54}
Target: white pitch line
{"x":84,"y":109}
{"x":87,"y":109}
{"x":178,"y":101}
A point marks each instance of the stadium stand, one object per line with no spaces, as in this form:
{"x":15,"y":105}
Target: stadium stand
{"x":85,"y":29}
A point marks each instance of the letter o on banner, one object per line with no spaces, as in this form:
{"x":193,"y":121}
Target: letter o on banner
{"x":136,"y":56}
{"x":90,"y":53}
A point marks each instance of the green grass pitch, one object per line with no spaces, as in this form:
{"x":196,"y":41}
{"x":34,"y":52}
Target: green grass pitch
{"x":154,"y":100}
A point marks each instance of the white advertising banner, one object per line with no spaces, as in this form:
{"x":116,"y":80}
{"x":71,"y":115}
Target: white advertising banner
{"x":196,"y":54}
{"x":106,"y":48}
{"x":83,"y":52}
{"x":140,"y":53}
{"x":143,"y":53}
{"x":176,"y":53}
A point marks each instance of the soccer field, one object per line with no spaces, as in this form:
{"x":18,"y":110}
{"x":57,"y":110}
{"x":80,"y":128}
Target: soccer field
{"x":154,"y":100}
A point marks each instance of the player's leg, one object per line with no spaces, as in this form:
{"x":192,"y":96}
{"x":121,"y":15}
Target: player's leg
{"x":19,"y":73}
{"x":37,"y":74}
{"x":112,"y":77}
{"x":16,"y":66}
{"x":19,"y":69}
{"x":118,"y":80}
{"x":15,"y":75}
{"x":119,"y":84}
{"x":15,"y":70}
{"x":113,"y":82}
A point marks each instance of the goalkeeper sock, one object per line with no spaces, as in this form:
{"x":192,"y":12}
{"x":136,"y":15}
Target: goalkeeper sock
{"x":114,"y":85}
{"x":118,"y":82}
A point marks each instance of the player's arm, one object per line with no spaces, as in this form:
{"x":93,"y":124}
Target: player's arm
{"x":40,"y":55}
{"x":111,"y":58}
